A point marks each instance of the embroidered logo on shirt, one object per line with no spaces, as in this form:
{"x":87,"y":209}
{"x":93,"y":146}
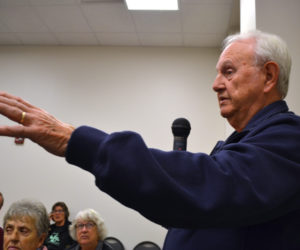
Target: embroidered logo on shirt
{"x":54,"y":239}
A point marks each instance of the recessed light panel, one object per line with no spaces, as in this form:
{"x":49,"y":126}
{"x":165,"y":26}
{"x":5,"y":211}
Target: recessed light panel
{"x":152,"y":4}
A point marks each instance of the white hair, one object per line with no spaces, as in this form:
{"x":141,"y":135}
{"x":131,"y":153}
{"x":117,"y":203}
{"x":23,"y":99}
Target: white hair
{"x":268,"y":47}
{"x":89,"y":215}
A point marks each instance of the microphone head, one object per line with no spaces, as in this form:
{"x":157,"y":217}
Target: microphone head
{"x":181,"y":127}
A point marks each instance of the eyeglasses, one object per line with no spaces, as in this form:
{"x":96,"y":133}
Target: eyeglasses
{"x":88,"y":225}
{"x":58,"y":211}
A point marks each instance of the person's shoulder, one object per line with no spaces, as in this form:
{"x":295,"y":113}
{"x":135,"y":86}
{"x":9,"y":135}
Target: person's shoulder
{"x":74,"y":246}
{"x":106,"y":246}
{"x":276,"y":115}
{"x":66,"y":225}
{"x":52,"y":226}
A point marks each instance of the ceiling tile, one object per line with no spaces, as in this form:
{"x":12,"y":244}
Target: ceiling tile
{"x":77,"y":39}
{"x":51,"y":2}
{"x":206,"y":18}
{"x":63,"y":18}
{"x":3,"y":27}
{"x":8,"y":3}
{"x":9,"y":39}
{"x":109,"y":22}
{"x":37,"y":38}
{"x":203,"y":40}
{"x":161,"y":39}
{"x":157,"y":21}
{"x":118,"y":39}
{"x":21,"y":19}
{"x":206,"y":1}
{"x":108,"y":17}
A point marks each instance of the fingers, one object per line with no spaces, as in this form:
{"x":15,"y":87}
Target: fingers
{"x":12,"y":113}
{"x":13,"y":107}
{"x":12,"y":131}
{"x":14,"y":101}
{"x":17,"y":100}
{"x":38,"y":125}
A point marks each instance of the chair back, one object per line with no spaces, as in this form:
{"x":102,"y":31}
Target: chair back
{"x":115,"y":243}
{"x":146,"y":245}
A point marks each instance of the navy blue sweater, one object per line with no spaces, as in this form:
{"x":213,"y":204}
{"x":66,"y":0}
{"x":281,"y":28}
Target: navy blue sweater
{"x":245,"y":195}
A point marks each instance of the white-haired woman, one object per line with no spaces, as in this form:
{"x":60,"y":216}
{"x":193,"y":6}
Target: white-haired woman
{"x":89,"y":231}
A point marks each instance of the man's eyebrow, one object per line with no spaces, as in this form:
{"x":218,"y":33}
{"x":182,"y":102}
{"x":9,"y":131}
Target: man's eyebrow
{"x":224,"y":64}
{"x":227,"y":62}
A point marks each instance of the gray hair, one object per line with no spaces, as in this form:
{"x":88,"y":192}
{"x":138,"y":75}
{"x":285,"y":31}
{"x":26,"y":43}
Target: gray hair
{"x":32,"y":209}
{"x":89,"y":215}
{"x":268,"y":47}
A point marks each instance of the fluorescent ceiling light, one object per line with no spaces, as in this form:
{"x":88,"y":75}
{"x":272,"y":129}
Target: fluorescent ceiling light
{"x":152,"y":4}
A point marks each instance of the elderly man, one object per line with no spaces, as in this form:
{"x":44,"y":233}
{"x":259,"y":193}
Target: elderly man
{"x":26,"y":225}
{"x":243,"y":196}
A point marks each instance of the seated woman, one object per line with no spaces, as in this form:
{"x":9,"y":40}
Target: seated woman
{"x":26,"y":225}
{"x":58,"y":236}
{"x":89,"y":231}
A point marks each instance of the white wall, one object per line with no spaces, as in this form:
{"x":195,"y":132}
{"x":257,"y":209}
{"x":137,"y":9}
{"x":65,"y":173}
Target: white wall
{"x":140,"y":89}
{"x":282,"y":18}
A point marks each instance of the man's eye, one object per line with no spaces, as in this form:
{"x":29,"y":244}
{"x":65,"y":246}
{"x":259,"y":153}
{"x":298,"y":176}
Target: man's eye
{"x":228,"y":71}
{"x":24,"y":230}
{"x":8,"y":230}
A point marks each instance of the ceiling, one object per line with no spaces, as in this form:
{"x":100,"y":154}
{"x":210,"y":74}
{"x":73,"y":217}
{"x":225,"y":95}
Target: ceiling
{"x":198,"y":23}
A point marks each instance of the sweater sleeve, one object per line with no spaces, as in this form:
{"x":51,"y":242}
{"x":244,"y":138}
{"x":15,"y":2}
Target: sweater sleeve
{"x":244,"y":183}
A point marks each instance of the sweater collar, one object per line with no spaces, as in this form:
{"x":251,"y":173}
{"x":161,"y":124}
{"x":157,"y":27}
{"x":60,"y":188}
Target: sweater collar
{"x":268,"y":111}
{"x":265,"y":113}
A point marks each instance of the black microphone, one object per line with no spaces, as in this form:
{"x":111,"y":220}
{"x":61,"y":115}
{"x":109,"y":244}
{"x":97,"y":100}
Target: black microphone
{"x":181,"y":129}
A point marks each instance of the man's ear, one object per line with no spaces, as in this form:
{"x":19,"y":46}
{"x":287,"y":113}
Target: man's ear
{"x":42,"y":239}
{"x":272,"y":73}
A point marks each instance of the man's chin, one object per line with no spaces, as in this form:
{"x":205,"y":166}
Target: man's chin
{"x":225,"y":113}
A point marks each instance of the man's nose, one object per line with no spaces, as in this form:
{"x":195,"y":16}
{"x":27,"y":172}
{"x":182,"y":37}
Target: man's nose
{"x":218,"y":83}
{"x":14,"y":236}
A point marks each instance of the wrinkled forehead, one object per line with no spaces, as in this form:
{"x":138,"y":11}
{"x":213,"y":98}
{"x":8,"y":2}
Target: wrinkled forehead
{"x":240,"y":51}
{"x":84,"y":220}
{"x":21,"y":220}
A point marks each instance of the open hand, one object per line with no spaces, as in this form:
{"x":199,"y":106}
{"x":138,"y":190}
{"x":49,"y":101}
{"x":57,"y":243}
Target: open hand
{"x":36,"y":124}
